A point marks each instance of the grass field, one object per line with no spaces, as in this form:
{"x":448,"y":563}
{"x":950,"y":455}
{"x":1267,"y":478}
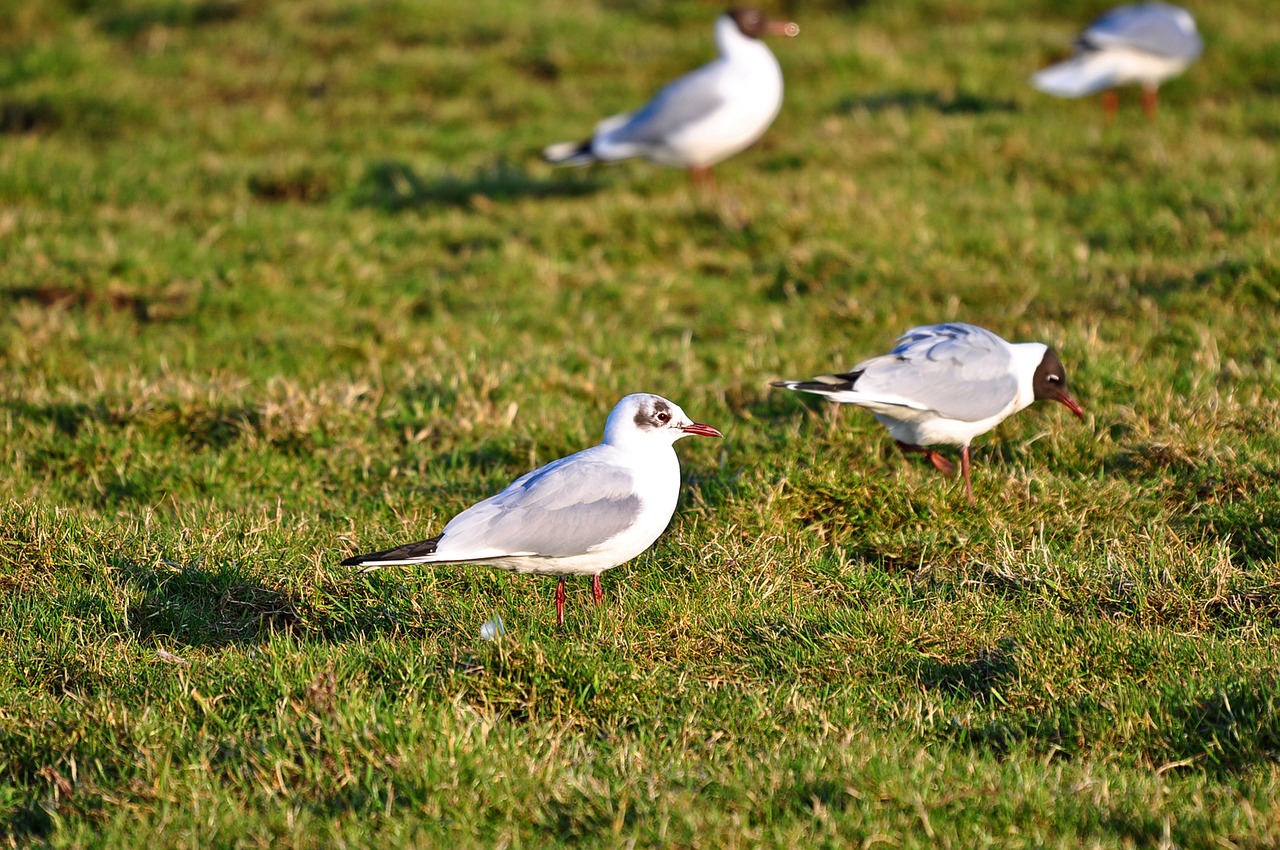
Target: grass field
{"x":284,"y":282}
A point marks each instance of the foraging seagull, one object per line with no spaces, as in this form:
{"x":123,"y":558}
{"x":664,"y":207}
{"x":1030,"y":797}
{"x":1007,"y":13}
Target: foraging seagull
{"x":945,"y":385}
{"x":703,"y":117}
{"x":580,"y":515}
{"x":1143,"y":44}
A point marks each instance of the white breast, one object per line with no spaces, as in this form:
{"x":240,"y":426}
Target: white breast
{"x":1138,"y":67}
{"x":926,"y":428}
{"x":751,"y":84}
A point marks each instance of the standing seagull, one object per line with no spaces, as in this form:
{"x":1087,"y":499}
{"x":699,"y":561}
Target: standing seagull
{"x":1144,"y":44}
{"x":703,"y":117}
{"x":579,"y":515}
{"x":945,"y":385}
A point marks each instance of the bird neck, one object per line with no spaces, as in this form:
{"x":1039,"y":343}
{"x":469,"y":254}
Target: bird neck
{"x":1026,"y":359}
{"x":732,"y":44}
{"x":636,"y":444}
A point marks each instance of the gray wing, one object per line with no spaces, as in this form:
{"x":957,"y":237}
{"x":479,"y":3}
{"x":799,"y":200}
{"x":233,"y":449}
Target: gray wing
{"x":677,"y":105}
{"x":1157,"y":28}
{"x":567,"y":507}
{"x":960,"y":371}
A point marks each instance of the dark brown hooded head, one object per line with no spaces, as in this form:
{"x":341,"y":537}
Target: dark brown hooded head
{"x":1050,"y":382}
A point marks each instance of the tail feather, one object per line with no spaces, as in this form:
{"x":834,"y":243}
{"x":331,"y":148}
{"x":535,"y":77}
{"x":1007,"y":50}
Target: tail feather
{"x":569,"y":153}
{"x":1076,"y":77}
{"x":412,"y":553}
{"x":823,"y":384}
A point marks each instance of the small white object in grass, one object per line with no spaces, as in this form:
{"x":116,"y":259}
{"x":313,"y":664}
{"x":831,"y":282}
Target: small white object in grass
{"x":493,"y":629}
{"x":165,"y":655}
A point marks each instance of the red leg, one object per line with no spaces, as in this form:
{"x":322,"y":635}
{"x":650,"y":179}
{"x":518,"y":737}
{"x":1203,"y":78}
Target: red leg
{"x":939,"y":462}
{"x":702,"y":177}
{"x":560,"y":603}
{"x":964,"y":470}
{"x":1110,"y":103}
{"x":1149,"y":99}
{"x":596,"y":590}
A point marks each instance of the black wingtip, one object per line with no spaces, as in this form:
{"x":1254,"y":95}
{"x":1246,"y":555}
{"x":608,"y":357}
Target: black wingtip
{"x":819,"y":387}
{"x":399,"y":553}
{"x":569,"y":153}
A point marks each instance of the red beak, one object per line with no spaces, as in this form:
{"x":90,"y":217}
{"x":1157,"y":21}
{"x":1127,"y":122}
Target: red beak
{"x":785,"y":28}
{"x":1070,"y":401}
{"x":701,"y":430}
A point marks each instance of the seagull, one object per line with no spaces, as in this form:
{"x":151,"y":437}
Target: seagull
{"x":946,"y":384}
{"x":1143,"y":44}
{"x":580,"y":515}
{"x":707,"y":115}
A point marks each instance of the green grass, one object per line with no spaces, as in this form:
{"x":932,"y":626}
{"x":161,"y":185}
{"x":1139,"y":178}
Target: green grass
{"x":285,"y":281}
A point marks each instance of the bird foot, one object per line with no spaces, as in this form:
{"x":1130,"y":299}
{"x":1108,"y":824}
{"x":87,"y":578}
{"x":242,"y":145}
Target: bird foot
{"x":939,"y":462}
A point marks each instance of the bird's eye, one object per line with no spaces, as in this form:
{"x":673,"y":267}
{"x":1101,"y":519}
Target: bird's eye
{"x":1055,"y":377}
{"x":663,"y":417}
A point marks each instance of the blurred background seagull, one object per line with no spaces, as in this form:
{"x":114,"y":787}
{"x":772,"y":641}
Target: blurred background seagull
{"x":579,"y":515}
{"x":1142,"y":44}
{"x":945,"y":385}
{"x":703,"y":117}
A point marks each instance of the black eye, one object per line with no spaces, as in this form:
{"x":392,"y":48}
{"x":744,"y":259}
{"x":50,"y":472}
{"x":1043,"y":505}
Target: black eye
{"x":662,"y":416}
{"x":1055,"y":377}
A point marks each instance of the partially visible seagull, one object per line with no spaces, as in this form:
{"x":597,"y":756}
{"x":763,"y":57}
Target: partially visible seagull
{"x":1142,"y":44}
{"x":580,"y":515}
{"x":945,"y":385}
{"x":703,"y":117}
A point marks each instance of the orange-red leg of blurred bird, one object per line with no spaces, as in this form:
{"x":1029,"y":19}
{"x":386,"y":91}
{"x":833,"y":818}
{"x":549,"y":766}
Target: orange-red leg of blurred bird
{"x":560,"y":603}
{"x":1149,"y":99}
{"x":939,"y":462}
{"x":703,"y":178}
{"x":1110,"y":103}
{"x":596,"y":590}
{"x":964,"y":470}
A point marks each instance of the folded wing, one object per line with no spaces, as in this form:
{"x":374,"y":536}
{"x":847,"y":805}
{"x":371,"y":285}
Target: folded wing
{"x":568,"y":507}
{"x":675,"y":107}
{"x":960,"y":371}
{"x":1157,"y":28}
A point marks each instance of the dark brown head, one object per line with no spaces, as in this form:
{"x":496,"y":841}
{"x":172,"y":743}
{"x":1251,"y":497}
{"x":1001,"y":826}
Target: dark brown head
{"x":1050,"y":382}
{"x":753,"y":23}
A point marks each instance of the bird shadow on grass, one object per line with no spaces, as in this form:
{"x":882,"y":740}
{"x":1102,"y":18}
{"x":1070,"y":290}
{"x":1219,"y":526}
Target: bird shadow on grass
{"x":69,"y":418}
{"x":979,"y":677}
{"x":85,"y":117}
{"x":908,"y":100}
{"x":393,"y":186}
{"x":224,"y":604}
{"x":173,"y":304}
{"x":214,"y":428}
{"x":194,"y":605}
{"x":130,"y":21}
{"x":1227,"y":730}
